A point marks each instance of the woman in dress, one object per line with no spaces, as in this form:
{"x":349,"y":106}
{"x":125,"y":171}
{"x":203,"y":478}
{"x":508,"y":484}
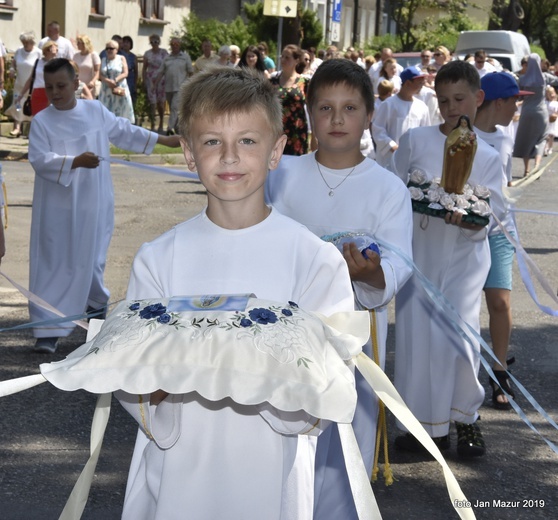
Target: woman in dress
{"x":291,"y":88}
{"x":252,"y":58}
{"x":152,"y":63}
{"x":21,"y":69}
{"x":39,"y":99}
{"x":115,"y":94}
{"x":530,"y":138}
{"x":88,"y":62}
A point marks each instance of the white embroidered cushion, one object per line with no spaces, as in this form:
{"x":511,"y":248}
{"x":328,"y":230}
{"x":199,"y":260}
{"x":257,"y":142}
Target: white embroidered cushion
{"x":266,"y":352}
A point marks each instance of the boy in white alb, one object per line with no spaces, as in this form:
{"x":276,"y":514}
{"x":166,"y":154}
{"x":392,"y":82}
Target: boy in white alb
{"x":231,"y":460}
{"x":399,"y":113}
{"x":337,"y":190}
{"x":73,"y":199}
{"x":501,"y":94}
{"x":435,"y":369}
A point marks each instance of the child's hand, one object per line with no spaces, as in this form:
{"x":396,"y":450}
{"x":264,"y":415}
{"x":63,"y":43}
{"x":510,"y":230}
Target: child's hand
{"x":367,"y":270}
{"x":86,"y":160}
{"x":455,"y":218}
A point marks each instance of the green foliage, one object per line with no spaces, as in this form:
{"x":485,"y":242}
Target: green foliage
{"x":196,"y":30}
{"x":385,"y":40}
{"x":431,"y":31}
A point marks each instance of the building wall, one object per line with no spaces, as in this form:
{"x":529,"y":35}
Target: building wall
{"x":122,"y":17}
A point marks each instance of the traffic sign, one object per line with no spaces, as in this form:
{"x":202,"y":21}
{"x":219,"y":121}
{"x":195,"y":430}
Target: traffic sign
{"x":285,"y":8}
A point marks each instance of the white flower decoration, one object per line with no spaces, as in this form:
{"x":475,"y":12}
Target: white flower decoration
{"x":482,"y":208}
{"x":435,"y":205}
{"x":436,"y":180}
{"x":418,"y":177}
{"x":468,"y":192}
{"x":416,"y":193}
{"x":482,"y":192}
{"x":460,"y":210}
{"x":434,"y":194}
{"x":447,"y":201}
{"x":461,"y":202}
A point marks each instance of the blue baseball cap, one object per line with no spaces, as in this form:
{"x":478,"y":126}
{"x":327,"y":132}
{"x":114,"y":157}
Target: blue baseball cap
{"x":501,"y":85}
{"x":412,"y":73}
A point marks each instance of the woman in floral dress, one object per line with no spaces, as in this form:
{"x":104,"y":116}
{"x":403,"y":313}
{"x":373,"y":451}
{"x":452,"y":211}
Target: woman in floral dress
{"x":152,"y":63}
{"x":114,"y":71}
{"x":292,"y":93}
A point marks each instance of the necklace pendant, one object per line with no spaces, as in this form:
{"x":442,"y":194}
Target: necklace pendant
{"x":331,"y":193}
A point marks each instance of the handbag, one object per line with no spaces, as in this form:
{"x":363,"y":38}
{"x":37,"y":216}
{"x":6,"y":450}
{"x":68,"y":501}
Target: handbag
{"x":118,"y":91}
{"x":27,"y":108}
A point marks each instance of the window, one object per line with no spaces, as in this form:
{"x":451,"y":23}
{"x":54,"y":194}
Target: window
{"x":6,"y":3}
{"x":98,"y":7}
{"x":153,"y":9}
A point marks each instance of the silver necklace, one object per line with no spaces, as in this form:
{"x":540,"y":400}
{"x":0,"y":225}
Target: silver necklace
{"x":333,"y":188}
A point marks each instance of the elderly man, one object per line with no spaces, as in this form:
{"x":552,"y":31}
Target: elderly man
{"x":377,"y":67}
{"x":177,"y":68}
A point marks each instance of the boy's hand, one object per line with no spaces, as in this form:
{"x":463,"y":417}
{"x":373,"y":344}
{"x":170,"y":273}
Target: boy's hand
{"x":86,"y":160}
{"x":455,"y":218}
{"x":172,"y":141}
{"x":367,"y":270}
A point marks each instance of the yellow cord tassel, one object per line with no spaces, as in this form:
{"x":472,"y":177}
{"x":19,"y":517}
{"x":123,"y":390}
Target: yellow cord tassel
{"x":381,"y":429}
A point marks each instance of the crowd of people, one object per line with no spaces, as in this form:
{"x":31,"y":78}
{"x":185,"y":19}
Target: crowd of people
{"x":318,"y":120}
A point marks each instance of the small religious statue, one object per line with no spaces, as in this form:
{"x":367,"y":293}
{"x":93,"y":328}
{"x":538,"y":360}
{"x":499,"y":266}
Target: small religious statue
{"x":459,"y":152}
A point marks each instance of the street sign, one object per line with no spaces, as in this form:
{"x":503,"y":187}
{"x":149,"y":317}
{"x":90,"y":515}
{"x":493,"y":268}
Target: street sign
{"x":335,"y":31}
{"x":336,"y":14}
{"x":285,"y":8}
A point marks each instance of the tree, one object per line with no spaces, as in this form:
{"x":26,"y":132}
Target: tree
{"x":431,"y":30}
{"x":537,"y":19}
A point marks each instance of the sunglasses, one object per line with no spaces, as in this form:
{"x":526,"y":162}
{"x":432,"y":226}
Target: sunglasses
{"x":155,"y":41}
{"x":426,"y":55}
{"x":110,"y":48}
{"x":437,"y":54}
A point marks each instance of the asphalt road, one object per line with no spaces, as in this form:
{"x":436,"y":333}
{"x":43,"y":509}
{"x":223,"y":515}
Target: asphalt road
{"x":44,"y":432}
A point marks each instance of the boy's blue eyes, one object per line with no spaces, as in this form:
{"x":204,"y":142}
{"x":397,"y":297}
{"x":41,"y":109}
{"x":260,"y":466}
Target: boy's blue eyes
{"x":245,"y":140}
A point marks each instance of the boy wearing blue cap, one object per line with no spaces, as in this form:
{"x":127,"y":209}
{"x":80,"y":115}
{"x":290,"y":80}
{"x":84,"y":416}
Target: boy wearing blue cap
{"x":398,"y":114}
{"x":501,"y":93}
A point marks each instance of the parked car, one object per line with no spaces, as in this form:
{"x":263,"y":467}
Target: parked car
{"x":507,"y":47}
{"x":407,"y":59}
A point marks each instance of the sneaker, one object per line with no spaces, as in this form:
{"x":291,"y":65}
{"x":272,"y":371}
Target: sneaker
{"x":45,"y":345}
{"x":409,"y":442}
{"x":469,"y":440}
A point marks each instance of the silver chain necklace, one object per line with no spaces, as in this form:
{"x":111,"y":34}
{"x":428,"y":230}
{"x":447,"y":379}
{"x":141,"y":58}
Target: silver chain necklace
{"x":332,"y":189}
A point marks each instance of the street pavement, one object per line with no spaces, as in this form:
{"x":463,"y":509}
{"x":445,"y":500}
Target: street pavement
{"x":44,"y":433}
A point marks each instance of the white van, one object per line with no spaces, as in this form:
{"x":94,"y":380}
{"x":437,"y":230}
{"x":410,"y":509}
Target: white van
{"x":507,"y":47}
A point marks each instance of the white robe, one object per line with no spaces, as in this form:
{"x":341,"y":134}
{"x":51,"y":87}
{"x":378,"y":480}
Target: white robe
{"x":372,"y":200}
{"x":435,"y":369}
{"x":73,"y":209}
{"x":391,"y":120}
{"x":229,"y":460}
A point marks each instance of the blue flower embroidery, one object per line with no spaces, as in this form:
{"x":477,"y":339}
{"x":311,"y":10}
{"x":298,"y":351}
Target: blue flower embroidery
{"x":164,"y":318}
{"x":287,"y":312}
{"x":245,"y":322}
{"x":134,"y":306}
{"x":153,"y":311}
{"x":263,"y":316}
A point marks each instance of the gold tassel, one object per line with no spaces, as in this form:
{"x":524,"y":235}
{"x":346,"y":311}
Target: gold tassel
{"x":381,"y":429}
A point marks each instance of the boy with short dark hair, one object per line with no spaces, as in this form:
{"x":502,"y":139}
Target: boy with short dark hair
{"x":336,"y":191}
{"x":73,"y":199}
{"x":230,"y":460}
{"x":501,"y":94}
{"x":435,"y":368}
